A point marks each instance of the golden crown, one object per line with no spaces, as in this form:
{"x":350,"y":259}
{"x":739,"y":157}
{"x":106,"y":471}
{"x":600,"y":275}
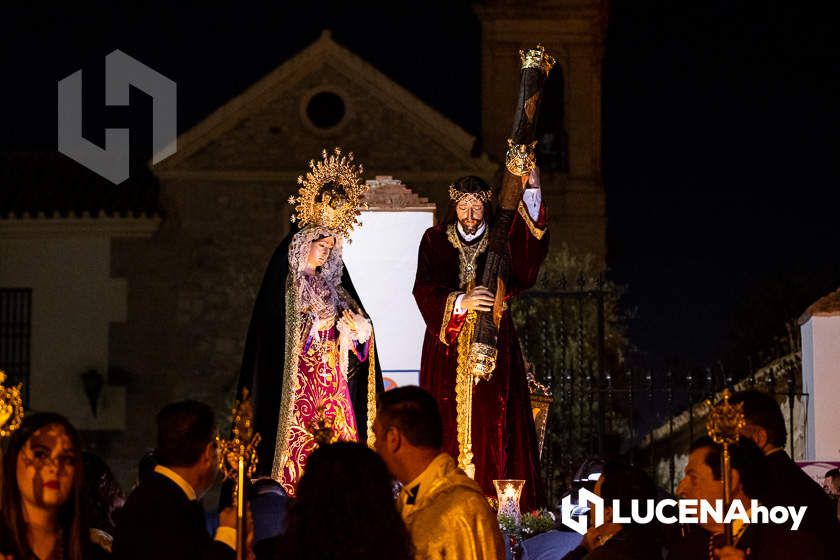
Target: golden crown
{"x":331,"y":194}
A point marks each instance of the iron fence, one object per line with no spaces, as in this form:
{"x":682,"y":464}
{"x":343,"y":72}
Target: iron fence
{"x":603,"y":408}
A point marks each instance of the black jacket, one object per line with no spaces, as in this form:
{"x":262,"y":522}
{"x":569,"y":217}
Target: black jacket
{"x":160,"y":522}
{"x":789,"y":485}
{"x":759,"y":541}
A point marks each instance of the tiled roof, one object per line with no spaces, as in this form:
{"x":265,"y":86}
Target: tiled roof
{"x":52,"y":185}
{"x":826,"y":305}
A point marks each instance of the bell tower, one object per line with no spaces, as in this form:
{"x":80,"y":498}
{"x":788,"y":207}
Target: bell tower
{"x":569,"y":126}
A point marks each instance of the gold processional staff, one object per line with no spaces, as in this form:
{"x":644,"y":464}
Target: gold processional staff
{"x":724,"y":427}
{"x":238,"y":459}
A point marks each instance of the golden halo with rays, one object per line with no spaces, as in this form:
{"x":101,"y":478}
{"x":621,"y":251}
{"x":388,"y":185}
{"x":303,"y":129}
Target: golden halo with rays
{"x":331,"y":194}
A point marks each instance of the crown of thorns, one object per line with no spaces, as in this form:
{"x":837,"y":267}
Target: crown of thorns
{"x":457,"y":196}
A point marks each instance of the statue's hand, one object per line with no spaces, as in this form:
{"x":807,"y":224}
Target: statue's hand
{"x":478,"y":299}
{"x":356,"y":325}
{"x":347,"y":323}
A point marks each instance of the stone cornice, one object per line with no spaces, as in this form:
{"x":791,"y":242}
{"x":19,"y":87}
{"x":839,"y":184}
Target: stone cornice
{"x":28,"y":227}
{"x":256,"y":176}
{"x":582,"y":22}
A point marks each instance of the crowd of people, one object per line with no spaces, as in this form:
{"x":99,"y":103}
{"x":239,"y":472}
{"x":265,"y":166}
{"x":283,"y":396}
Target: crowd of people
{"x":760,"y":469}
{"x":405,"y":499}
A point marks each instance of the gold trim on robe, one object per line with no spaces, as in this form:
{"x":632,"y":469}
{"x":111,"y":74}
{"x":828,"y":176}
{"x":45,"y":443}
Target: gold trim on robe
{"x":371,"y":381}
{"x":297,"y":331}
{"x":532,"y":227}
{"x":464,"y":396}
{"x":371,"y":391}
{"x":294,"y":343}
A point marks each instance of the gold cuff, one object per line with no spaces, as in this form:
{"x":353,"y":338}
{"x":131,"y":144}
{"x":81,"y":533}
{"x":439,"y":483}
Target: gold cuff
{"x":535,"y":231}
{"x":520,"y":159}
{"x":482,"y":361}
{"x":537,"y":58}
{"x":447,"y":315}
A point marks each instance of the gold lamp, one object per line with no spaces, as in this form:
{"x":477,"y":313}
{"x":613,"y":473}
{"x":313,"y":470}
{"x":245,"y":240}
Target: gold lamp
{"x":541,"y":400}
{"x":508,"y":493}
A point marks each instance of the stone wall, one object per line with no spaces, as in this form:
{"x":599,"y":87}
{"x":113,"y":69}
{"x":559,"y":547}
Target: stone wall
{"x":191,"y":292}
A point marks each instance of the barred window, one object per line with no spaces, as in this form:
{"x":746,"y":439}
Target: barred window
{"x":15,"y":336}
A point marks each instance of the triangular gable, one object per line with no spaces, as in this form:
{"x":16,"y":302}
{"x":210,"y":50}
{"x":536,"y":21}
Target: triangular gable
{"x":324,"y":52}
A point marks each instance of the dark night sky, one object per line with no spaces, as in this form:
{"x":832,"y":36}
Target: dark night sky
{"x":720,"y":128}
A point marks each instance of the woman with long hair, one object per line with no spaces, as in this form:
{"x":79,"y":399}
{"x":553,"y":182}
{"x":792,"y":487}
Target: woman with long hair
{"x":42,"y":515}
{"x":345,"y":509}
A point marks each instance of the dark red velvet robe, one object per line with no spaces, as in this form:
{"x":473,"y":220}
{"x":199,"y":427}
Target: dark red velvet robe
{"x":504,"y":439}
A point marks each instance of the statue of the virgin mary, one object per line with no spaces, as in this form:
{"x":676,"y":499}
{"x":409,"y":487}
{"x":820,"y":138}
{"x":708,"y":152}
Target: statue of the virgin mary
{"x":309,"y":360}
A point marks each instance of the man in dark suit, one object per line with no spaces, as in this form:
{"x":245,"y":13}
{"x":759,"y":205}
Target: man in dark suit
{"x":162,"y":517}
{"x":787,"y":483}
{"x":758,"y":541}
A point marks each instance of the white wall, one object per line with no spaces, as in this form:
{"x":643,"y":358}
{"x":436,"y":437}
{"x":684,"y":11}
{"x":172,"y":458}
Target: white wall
{"x":382,"y":261}
{"x":821,"y":380}
{"x":74,"y":300}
